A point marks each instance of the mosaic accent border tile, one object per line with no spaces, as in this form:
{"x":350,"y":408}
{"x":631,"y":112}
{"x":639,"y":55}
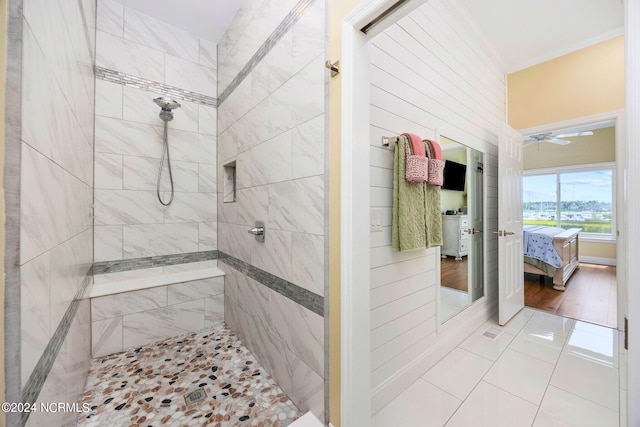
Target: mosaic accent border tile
{"x":11,"y":183}
{"x":40,"y":373}
{"x":151,"y":86}
{"x":304,"y":297}
{"x":104,"y":267}
{"x":287,"y":23}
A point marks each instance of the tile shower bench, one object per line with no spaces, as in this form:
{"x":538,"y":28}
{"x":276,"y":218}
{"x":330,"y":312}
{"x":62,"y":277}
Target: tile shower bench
{"x":137,"y":307}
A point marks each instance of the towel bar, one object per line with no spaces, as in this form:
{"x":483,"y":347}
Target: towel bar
{"x":387,"y":140}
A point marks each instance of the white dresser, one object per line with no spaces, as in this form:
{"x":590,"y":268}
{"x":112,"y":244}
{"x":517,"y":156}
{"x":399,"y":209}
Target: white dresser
{"x":455,"y":236}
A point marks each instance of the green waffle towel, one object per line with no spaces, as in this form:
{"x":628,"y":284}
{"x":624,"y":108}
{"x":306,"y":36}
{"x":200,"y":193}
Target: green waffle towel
{"x":417,"y":220}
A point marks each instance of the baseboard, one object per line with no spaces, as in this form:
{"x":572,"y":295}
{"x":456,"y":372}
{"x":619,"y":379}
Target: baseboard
{"x":450,"y":335}
{"x":597,"y":260}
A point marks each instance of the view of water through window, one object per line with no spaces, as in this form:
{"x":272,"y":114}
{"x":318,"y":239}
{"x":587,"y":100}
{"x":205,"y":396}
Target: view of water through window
{"x":581,"y":199}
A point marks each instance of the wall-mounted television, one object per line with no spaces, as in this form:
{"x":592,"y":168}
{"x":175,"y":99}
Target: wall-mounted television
{"x":454,"y":176}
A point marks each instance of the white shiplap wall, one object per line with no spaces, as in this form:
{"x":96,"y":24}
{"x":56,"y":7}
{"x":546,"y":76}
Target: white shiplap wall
{"x":428,"y":72}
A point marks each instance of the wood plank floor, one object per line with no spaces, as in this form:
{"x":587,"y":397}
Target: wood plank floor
{"x":454,"y":274}
{"x":590,"y":296}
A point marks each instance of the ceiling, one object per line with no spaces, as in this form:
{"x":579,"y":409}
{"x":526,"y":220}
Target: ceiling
{"x":208,"y":19}
{"x":527,"y":32}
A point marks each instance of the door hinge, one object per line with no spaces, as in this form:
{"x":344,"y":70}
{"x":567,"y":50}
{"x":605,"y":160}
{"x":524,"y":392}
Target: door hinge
{"x":334,"y":67}
{"x":626,"y":333}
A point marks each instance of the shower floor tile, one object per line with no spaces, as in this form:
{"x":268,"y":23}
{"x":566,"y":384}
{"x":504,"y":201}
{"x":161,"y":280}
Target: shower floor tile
{"x":146,"y":386}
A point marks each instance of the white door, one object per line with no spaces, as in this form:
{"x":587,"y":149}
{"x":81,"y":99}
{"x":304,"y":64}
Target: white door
{"x":510,"y":251}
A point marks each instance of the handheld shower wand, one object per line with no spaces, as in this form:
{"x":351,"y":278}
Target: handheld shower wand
{"x":166,"y":114}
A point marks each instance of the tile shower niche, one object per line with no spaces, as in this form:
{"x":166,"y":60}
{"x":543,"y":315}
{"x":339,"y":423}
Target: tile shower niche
{"x":229,"y":185}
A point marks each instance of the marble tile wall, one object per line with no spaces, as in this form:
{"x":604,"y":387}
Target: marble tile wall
{"x":285,"y":337}
{"x":129,"y":220}
{"x":122,"y":321}
{"x":66,"y":380}
{"x":272,"y":125}
{"x":56,"y":179}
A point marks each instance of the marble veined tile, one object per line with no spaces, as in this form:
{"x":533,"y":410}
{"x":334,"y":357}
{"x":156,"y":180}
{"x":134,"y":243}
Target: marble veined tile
{"x":234,"y":240}
{"x":307,"y":269}
{"x":108,"y":171}
{"x":107,"y":242}
{"x":54,"y":204}
{"x":195,"y":289}
{"x":207,"y":120}
{"x":191,"y":207}
{"x":213,"y":310}
{"x":111,"y":17}
{"x":253,"y":204}
{"x":274,"y":255}
{"x":190,"y":76}
{"x":117,"y":305}
{"x":248,"y":294}
{"x":152,"y":325}
{"x":70,"y":262}
{"x":207,"y":236}
{"x":309,"y":36}
{"x":207,"y":178}
{"x":159,"y":239}
{"x":108,"y":99}
{"x":141,"y":173}
{"x":114,"y":207}
{"x":272,"y":160}
{"x":151,"y":32}
{"x":192,"y":147}
{"x":106,"y":337}
{"x":128,"y":138}
{"x":298,"y":205}
{"x":35,"y":312}
{"x":208,"y":54}
{"x":308,"y":148}
{"x":49,"y":124}
{"x":274,"y":69}
{"x":127,"y":57}
{"x":301,"y":330}
{"x":303,"y":386}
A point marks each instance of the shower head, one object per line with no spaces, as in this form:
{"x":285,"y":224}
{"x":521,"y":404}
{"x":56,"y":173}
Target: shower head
{"x":166,"y":104}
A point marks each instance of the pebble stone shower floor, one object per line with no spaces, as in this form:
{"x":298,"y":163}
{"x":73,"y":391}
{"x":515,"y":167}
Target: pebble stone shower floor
{"x":145,"y":386}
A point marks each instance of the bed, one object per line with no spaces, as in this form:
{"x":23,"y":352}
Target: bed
{"x":560,"y":257}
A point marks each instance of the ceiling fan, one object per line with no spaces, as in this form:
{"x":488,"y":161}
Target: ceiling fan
{"x":554,"y":139}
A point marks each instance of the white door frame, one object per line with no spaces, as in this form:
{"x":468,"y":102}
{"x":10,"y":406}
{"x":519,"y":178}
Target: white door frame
{"x":355,"y":358}
{"x":617,"y":117}
{"x":632,"y":201}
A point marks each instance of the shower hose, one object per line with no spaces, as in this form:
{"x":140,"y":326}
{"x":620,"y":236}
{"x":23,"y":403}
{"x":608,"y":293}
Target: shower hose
{"x":165,"y":152}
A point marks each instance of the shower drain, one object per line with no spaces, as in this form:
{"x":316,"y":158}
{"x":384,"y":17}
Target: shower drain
{"x":492,"y":333}
{"x":194,"y":396}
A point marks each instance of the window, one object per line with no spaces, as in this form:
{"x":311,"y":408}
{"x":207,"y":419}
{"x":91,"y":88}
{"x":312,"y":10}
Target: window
{"x":574,"y":197}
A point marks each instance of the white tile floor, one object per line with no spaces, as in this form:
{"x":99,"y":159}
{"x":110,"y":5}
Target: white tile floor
{"x":452,"y":302}
{"x":542,"y":371}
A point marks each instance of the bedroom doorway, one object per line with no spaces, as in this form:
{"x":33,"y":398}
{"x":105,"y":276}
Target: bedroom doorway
{"x":570,"y":182}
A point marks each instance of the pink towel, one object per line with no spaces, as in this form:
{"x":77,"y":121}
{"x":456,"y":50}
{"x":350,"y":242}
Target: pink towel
{"x":437,"y":150}
{"x":417,"y":146}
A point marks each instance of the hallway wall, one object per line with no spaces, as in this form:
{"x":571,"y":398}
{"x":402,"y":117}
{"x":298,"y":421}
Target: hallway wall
{"x":140,"y":58}
{"x":56,"y":178}
{"x":428,"y":72}
{"x":271,"y":123}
